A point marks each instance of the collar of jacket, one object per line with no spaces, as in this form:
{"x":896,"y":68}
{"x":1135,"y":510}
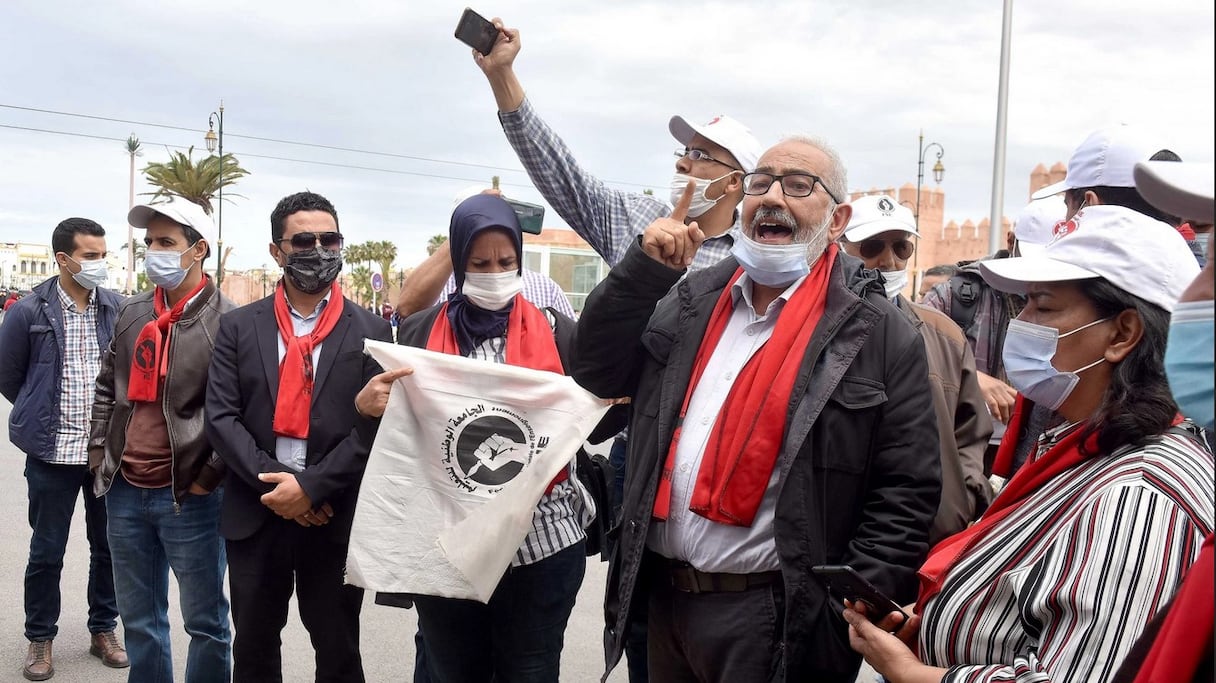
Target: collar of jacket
{"x":46,"y":292}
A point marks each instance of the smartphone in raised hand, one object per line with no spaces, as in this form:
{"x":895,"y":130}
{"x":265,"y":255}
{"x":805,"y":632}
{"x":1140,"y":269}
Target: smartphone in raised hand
{"x":476,"y":31}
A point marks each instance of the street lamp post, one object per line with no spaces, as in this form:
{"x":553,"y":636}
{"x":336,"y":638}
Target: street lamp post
{"x":212,"y":140}
{"x":938,"y":171}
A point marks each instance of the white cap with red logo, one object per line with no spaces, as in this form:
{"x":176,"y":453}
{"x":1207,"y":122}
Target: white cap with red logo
{"x":735,"y":137}
{"x":1140,"y":255}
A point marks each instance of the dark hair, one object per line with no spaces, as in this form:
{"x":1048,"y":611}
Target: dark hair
{"x":64,"y":237}
{"x":300,"y":201}
{"x":946,"y":269}
{"x":1127,"y":197}
{"x":1137,"y":405}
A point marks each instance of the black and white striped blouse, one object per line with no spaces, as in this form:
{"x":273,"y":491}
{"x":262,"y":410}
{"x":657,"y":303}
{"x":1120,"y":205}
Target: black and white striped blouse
{"x":1061,"y":588}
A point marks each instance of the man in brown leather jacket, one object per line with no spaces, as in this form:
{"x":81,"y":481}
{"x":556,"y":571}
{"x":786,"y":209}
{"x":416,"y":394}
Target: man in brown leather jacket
{"x":153,"y":461}
{"x":880,"y":233}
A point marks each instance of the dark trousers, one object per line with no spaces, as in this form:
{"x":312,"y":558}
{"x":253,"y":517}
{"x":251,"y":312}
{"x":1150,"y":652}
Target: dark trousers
{"x":635,"y":637}
{"x":262,"y":570}
{"x":518,"y":636}
{"x":701,"y":637}
{"x":52,"y":493}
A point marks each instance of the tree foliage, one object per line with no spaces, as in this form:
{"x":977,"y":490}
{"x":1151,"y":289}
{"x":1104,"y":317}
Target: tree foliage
{"x":198,"y":182}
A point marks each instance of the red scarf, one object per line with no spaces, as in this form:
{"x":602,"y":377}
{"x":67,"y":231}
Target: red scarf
{"x":294,"y":403}
{"x":151,"y":359}
{"x":1032,"y":476}
{"x":530,"y":342}
{"x":1185,"y":638}
{"x":746,"y":438}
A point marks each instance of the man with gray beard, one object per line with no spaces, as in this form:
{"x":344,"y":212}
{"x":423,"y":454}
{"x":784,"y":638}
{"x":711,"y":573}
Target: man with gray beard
{"x":780,"y":421}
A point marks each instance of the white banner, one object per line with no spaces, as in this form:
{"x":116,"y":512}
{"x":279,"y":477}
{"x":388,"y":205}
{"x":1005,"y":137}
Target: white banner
{"x":466,"y":449}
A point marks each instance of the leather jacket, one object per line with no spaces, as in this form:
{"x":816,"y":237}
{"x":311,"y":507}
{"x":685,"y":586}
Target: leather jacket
{"x":192,"y":339}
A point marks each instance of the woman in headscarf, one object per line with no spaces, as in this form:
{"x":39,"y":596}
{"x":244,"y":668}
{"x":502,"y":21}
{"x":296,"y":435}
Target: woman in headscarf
{"x":518,"y":635}
{"x":1093,"y":534}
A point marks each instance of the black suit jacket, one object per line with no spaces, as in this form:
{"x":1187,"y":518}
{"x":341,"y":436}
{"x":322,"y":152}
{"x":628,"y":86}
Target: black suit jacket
{"x":242,"y":389}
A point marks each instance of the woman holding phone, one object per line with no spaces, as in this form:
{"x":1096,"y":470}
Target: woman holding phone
{"x":1092,"y":536}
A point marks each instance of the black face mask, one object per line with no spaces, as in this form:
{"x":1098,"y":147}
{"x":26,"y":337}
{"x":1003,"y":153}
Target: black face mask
{"x":314,"y":270}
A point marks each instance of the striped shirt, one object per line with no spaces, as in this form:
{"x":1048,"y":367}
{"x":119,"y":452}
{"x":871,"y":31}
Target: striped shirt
{"x":541,"y":290}
{"x":610,"y":220}
{"x":1060,"y":589}
{"x":563,"y":513}
{"x":81,"y":364}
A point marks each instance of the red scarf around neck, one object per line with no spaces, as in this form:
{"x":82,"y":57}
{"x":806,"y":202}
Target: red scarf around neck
{"x":530,"y":342}
{"x":294,"y":403}
{"x":1032,"y":476}
{"x":151,"y":359}
{"x":746,"y":438}
{"x":1185,"y":639}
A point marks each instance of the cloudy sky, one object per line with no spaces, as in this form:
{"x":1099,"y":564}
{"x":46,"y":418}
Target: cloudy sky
{"x":388,"y":77}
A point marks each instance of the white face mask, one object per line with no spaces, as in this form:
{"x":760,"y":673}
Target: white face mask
{"x":92,"y":273}
{"x":164,"y":268}
{"x":1029,"y":350}
{"x":700,"y":203}
{"x":779,"y":265}
{"x":492,"y":291}
{"x":894,"y":281}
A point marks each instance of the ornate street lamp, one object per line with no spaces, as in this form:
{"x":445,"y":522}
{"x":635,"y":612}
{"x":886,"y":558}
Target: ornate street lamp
{"x":213,"y":141}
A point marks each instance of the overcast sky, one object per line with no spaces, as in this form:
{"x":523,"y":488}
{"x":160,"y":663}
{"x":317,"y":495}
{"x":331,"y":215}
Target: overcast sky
{"x":388,"y":76}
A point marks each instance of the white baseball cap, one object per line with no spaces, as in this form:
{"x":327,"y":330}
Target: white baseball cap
{"x":1104,"y":159}
{"x":178,"y":210}
{"x":1140,"y":255}
{"x":721,"y":130}
{"x":1179,"y":188}
{"x":877,"y":213}
{"x":1033,"y":225}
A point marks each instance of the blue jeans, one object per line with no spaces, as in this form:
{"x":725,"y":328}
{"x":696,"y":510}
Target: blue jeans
{"x":148,"y":537}
{"x":52,"y":493}
{"x":517,"y":637}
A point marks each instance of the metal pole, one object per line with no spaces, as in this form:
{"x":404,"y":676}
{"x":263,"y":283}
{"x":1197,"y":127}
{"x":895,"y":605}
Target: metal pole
{"x":998,"y":157}
{"x":219,"y":268}
{"x":920,"y":175}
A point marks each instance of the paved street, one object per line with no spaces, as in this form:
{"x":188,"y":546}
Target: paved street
{"x":387,"y":635}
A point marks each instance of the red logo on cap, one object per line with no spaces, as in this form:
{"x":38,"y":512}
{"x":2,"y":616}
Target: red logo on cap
{"x":714,"y":120}
{"x":1063,"y":229}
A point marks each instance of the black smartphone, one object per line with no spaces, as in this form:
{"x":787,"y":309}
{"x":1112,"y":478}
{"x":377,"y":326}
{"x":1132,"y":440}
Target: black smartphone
{"x":844,"y":582}
{"x":476,"y":32}
{"x":530,"y":215}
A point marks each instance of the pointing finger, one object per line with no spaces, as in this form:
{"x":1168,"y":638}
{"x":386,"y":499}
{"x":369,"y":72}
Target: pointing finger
{"x":394,"y":375}
{"x":680,"y":212}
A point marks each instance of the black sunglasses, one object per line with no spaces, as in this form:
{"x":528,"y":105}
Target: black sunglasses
{"x":873,"y":247}
{"x":303,"y":241}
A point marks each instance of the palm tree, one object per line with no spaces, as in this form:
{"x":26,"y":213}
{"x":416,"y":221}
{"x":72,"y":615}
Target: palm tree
{"x":181,"y":177}
{"x":361,"y":283}
{"x":434,"y":243}
{"x":132,"y":152}
{"x":135,"y":254}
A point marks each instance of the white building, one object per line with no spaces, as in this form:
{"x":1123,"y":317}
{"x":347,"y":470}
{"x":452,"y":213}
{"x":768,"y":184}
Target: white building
{"x":23,"y":265}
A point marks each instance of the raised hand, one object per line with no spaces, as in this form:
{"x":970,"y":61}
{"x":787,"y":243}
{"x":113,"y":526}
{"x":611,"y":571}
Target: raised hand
{"x":669,"y":241}
{"x":502,"y":55}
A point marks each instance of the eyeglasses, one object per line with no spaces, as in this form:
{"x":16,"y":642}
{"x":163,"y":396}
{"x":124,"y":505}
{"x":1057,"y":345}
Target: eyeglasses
{"x":700,"y":155}
{"x":873,"y":247}
{"x":303,"y":241}
{"x":793,"y":184}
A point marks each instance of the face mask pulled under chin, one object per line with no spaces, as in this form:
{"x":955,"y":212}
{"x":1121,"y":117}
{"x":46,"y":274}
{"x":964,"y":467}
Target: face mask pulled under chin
{"x":780,"y":265}
{"x":700,"y":203}
{"x":1029,"y":350}
{"x":492,"y":291}
{"x":894,"y":281}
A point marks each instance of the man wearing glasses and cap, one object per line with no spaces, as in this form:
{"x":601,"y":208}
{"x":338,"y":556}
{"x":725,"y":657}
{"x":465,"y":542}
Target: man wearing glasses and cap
{"x":881,"y":234}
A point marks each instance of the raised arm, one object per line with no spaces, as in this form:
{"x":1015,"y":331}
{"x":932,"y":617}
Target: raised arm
{"x":608,"y":219}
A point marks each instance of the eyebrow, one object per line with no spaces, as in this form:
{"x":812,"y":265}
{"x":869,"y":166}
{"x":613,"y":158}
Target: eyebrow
{"x":786,"y":171}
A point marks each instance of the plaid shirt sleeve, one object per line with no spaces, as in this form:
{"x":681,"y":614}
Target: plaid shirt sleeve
{"x":610,"y":220}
